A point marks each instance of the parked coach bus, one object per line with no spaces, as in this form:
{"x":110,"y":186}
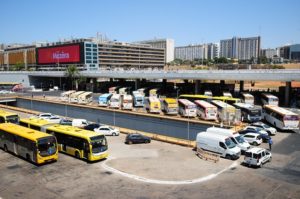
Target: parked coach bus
{"x":250,"y":113}
{"x":138,"y":99}
{"x":226,"y":112}
{"x":115,"y":101}
{"x":74,"y":96}
{"x":35,"y":146}
{"x":113,"y":90}
{"x":65,"y":96}
{"x":170,"y":106}
{"x":103,"y":99}
{"x":187,"y":108}
{"x":268,"y":99}
{"x":72,"y":140}
{"x":154,"y":92}
{"x":8,"y":117}
{"x":206,"y":110}
{"x":127,"y":102}
{"x":247,"y":98}
{"x":85,"y":98}
{"x":124,"y":90}
{"x":280,"y":117}
{"x":153,"y":105}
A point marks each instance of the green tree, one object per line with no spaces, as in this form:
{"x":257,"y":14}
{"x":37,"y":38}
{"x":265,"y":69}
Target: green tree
{"x":72,"y":73}
{"x":18,"y":66}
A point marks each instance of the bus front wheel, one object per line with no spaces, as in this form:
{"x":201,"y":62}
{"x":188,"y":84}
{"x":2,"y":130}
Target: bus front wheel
{"x":5,"y":148}
{"x":77,"y":155}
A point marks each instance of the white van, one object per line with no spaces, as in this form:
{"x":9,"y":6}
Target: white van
{"x":236,"y":137}
{"x":81,"y":123}
{"x":220,"y":144}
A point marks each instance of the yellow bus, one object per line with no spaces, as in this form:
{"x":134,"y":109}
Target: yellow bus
{"x":35,"y":146}
{"x":8,"y":117}
{"x":153,"y":105}
{"x":71,"y":140}
{"x":170,"y":106}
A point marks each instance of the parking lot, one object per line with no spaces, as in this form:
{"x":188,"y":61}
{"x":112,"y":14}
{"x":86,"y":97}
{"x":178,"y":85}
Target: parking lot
{"x":155,"y":170}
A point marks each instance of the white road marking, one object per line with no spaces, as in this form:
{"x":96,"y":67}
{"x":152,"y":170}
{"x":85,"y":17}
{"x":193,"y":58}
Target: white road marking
{"x":168,"y":182}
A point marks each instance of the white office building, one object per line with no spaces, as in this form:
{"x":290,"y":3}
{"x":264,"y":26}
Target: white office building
{"x":191,"y":52}
{"x":167,"y":44}
{"x":240,"y":48}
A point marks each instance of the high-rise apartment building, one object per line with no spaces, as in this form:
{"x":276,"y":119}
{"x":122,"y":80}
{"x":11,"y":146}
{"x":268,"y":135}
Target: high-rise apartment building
{"x":191,"y":52}
{"x":269,"y":53}
{"x":167,"y":44}
{"x":240,"y":48}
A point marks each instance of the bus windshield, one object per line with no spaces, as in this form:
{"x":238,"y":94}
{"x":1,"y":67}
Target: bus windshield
{"x":47,"y":146}
{"x":13,"y":119}
{"x":255,"y":112}
{"x":229,"y":143}
{"x":291,"y":117}
{"x":99,"y":144}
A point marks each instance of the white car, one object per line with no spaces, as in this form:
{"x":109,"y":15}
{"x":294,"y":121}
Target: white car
{"x":257,"y":157}
{"x":270,"y":130}
{"x":54,"y":119}
{"x":253,"y":138}
{"x":256,"y":129}
{"x":107,"y":130}
{"x":45,"y":115}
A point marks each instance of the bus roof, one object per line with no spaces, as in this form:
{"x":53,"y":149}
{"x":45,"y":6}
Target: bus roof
{"x":6,"y":113}
{"x":85,"y":94}
{"x":226,"y":98}
{"x":76,"y":94}
{"x":269,"y":95}
{"x":195,"y":96}
{"x":23,"y":131}
{"x":170,"y":100}
{"x":115,"y":96}
{"x":68,"y":92}
{"x":73,"y":131}
{"x":105,"y":95}
{"x":280,"y":110}
{"x":204,"y":104}
{"x":221,"y":104}
{"x":9,"y":83}
{"x":244,"y":105}
{"x":127,"y":97}
{"x":186,"y":102}
{"x":35,"y":121}
{"x":247,"y":95}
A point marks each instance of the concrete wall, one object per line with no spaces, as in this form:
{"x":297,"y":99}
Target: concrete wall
{"x":173,"y":128}
{"x":13,"y":77}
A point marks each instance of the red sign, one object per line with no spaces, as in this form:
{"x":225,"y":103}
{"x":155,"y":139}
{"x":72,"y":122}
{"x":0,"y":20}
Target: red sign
{"x":62,"y":54}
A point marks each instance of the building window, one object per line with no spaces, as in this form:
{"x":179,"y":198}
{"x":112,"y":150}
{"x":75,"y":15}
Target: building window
{"x":87,"y":49}
{"x":88,"y":45}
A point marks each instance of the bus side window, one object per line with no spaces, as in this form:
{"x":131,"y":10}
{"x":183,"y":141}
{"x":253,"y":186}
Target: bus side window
{"x":86,"y":146}
{"x":2,"y":120}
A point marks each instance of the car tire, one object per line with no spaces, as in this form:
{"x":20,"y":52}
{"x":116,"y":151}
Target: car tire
{"x":5,"y":148}
{"x":255,"y":143}
{"x":77,"y":155}
{"x":113,"y":134}
{"x":129,"y":142}
{"x":147,"y":141}
{"x":28,"y":157}
{"x":228,"y":157}
{"x":261,"y":165}
{"x":270,"y":159}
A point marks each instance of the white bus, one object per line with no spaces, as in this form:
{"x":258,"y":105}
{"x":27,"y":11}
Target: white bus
{"x":74,"y":96}
{"x":250,"y":113}
{"x":103,"y":99}
{"x":127,"y":102}
{"x":115,"y":101}
{"x":226,"y":112}
{"x":227,"y":94}
{"x":142,"y":91}
{"x":206,"y":110}
{"x":268,"y":99}
{"x":187,"y":108}
{"x":138,"y":99}
{"x":65,"y":96}
{"x":124,"y":91}
{"x":247,"y":98}
{"x":85,"y":98}
{"x":280,"y":117}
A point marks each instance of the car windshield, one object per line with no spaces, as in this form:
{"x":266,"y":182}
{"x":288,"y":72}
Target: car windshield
{"x":47,"y":146}
{"x":99,"y":143}
{"x":240,"y":139}
{"x":13,"y":119}
{"x":229,"y":143}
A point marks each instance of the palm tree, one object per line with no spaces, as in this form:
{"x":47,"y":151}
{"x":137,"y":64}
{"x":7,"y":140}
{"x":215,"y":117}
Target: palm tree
{"x":72,"y":73}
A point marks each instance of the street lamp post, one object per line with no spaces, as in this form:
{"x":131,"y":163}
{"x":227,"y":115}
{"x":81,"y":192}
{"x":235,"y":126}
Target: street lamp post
{"x":188,"y":126}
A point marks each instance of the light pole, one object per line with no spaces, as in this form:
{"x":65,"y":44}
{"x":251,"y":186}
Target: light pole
{"x":114,"y":115}
{"x":188,"y":126}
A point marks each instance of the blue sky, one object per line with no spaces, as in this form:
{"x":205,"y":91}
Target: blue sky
{"x":186,"y":21}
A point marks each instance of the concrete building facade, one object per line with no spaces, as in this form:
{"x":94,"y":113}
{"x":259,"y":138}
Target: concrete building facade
{"x":167,"y":44}
{"x":128,"y":55}
{"x":191,"y":52}
{"x":269,"y":53}
{"x":240,"y":48}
